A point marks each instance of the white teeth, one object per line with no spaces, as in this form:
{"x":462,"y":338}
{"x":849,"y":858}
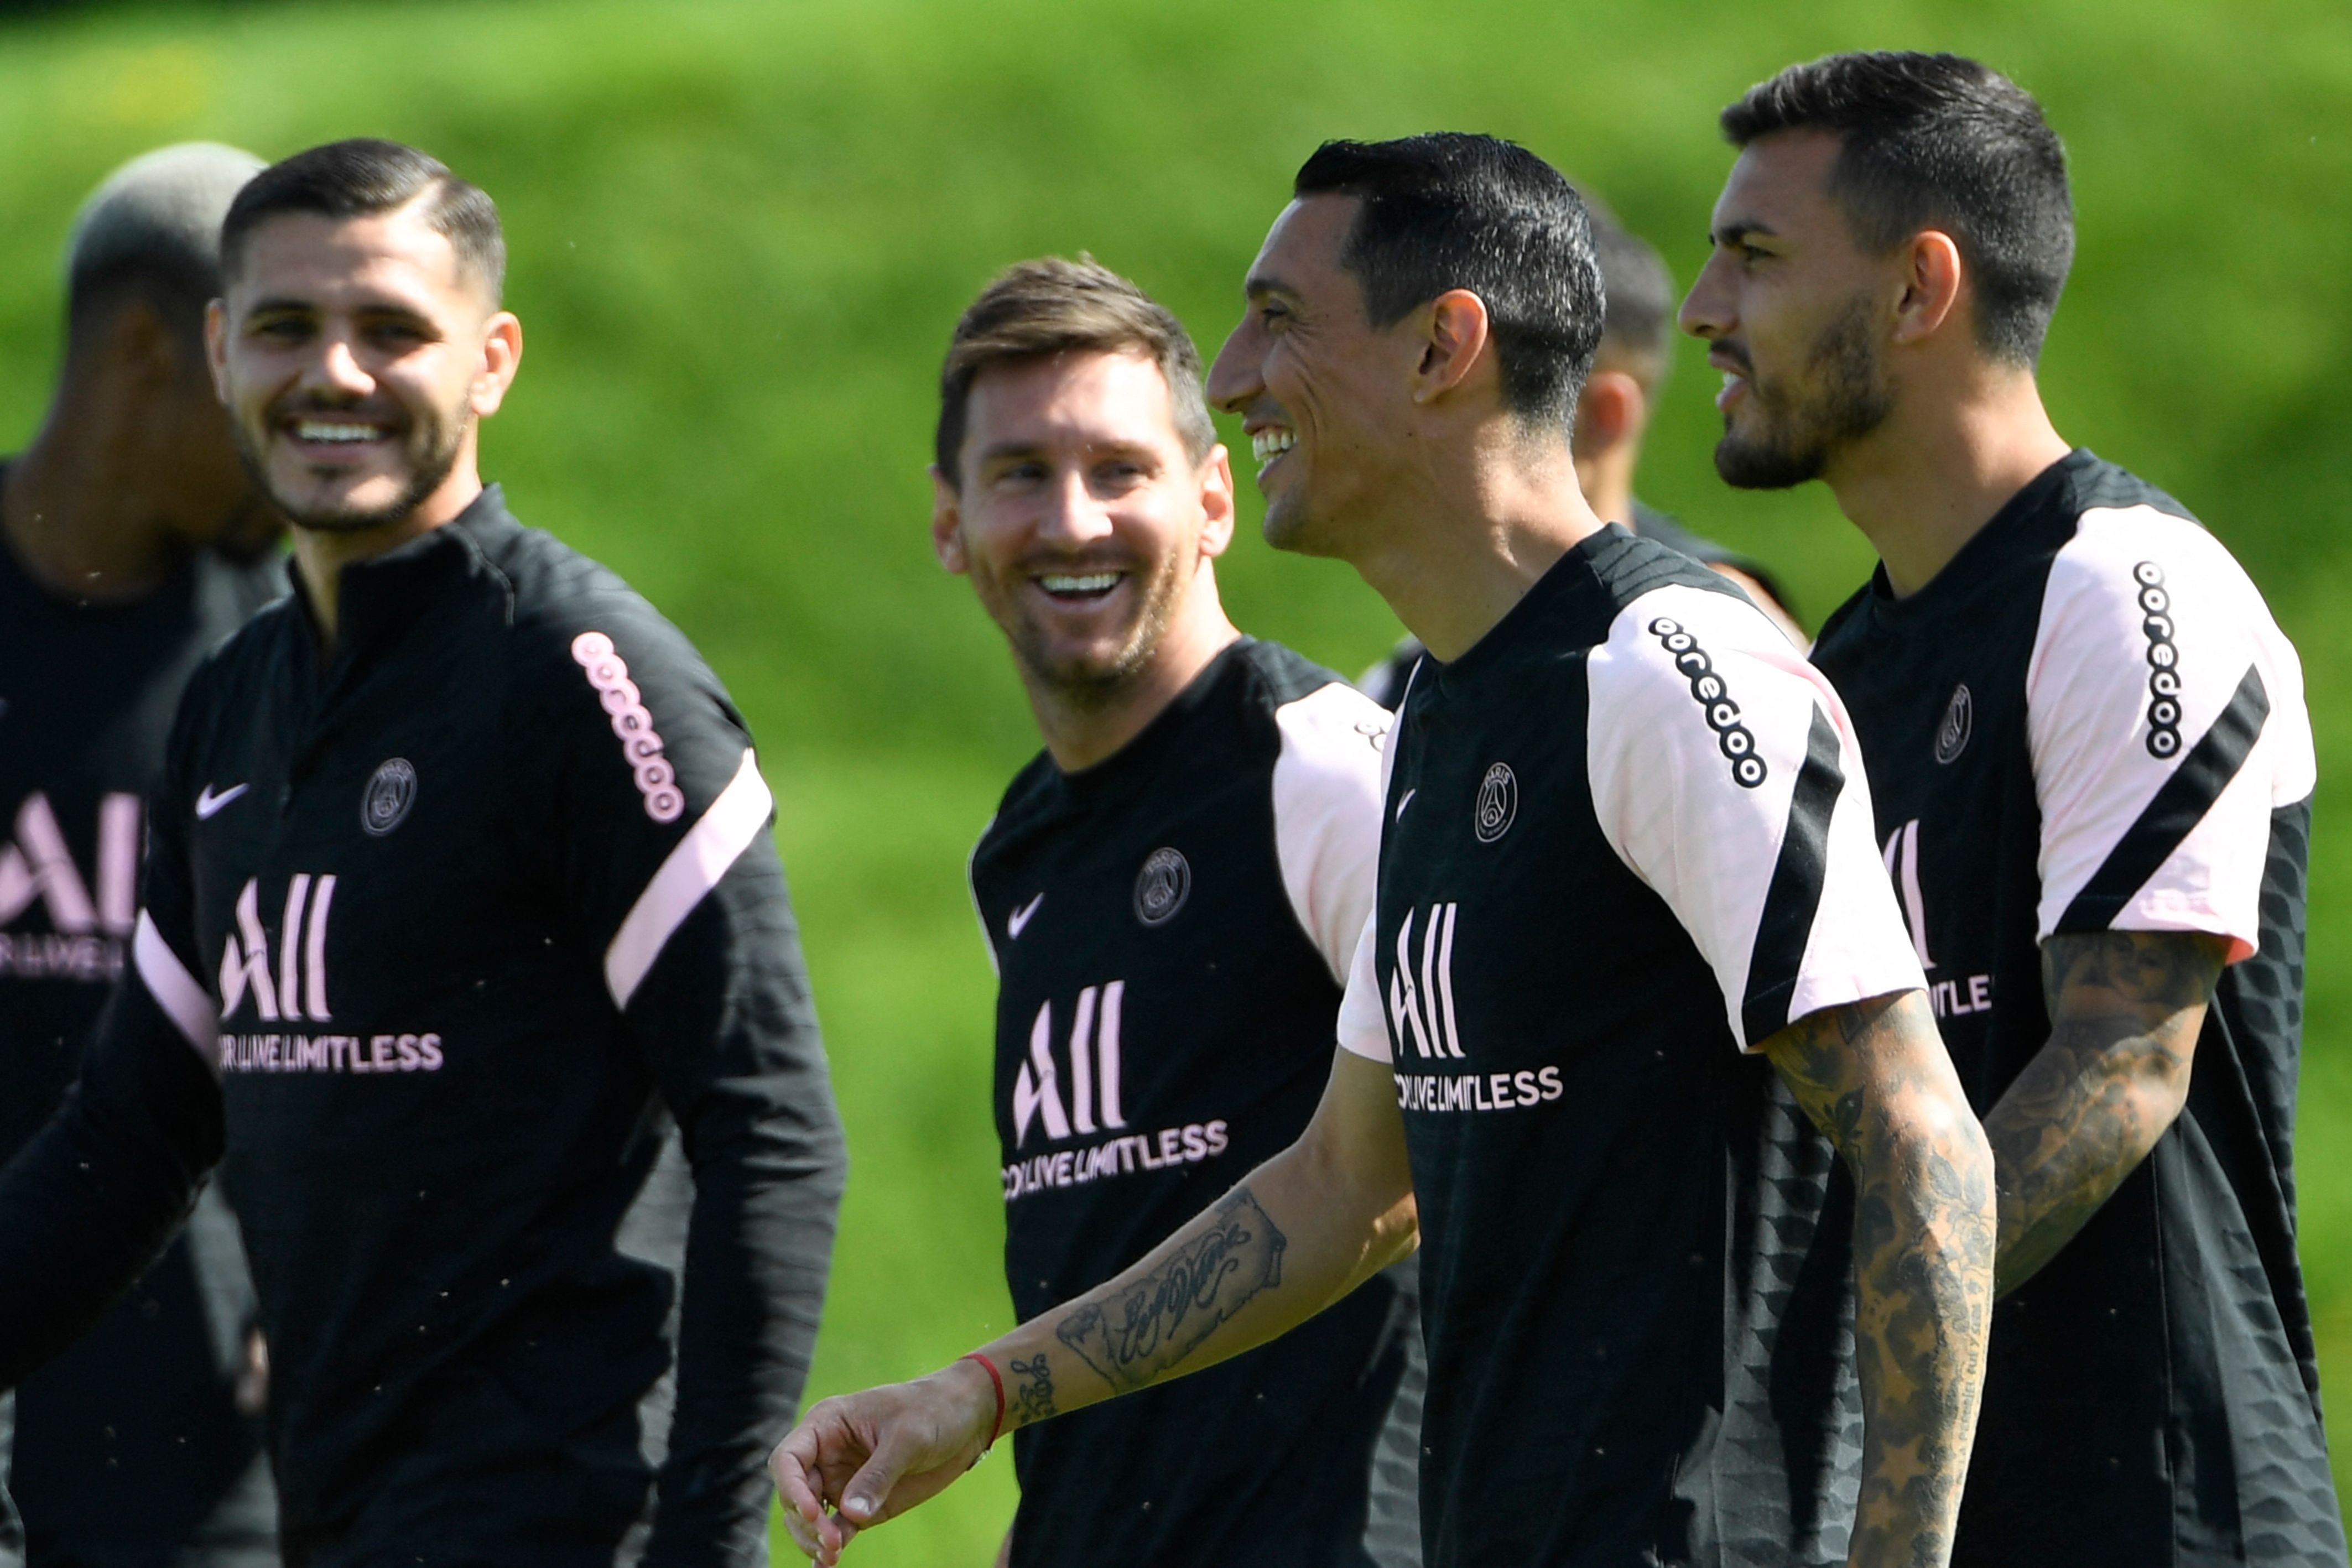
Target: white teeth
{"x":319,"y":430}
{"x":1266,"y":445}
{"x":1092,"y":582}
{"x":1732,"y":378}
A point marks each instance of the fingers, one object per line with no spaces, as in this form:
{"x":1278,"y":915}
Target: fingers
{"x":865,"y":1500}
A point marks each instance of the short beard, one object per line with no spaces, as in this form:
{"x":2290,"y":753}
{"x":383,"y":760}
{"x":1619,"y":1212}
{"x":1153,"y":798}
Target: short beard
{"x":432,"y":468}
{"x":1797,"y":440}
{"x":1092,"y":686}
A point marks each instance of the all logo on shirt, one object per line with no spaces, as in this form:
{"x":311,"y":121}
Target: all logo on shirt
{"x":86,"y":921}
{"x":1959,"y":720}
{"x":1498,"y":803}
{"x":1162,"y":886}
{"x":391,"y":792}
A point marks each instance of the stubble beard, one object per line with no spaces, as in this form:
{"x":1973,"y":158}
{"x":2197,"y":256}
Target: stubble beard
{"x":433,"y":451}
{"x":1850,"y":399}
{"x":1094,"y":683}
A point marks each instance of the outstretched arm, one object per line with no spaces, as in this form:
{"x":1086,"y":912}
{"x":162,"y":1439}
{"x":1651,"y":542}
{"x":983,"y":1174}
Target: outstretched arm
{"x":2125,"y":1010}
{"x":1298,"y":1233}
{"x":1874,"y":1077}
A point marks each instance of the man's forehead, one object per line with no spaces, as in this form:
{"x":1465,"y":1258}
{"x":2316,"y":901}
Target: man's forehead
{"x":317,"y":253}
{"x":1780,"y":181}
{"x":1084,"y":394}
{"x":1303,"y":242}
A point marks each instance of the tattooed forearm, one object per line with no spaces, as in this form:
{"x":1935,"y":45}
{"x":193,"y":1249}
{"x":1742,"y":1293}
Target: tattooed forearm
{"x":1137,"y":1334}
{"x":1875,"y":1079}
{"x":1032,"y":1392}
{"x":2125,"y":1009}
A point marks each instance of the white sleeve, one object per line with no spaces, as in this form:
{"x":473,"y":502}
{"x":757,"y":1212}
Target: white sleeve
{"x":1327,"y":788}
{"x":1363,"y":1026}
{"x":1725,"y":775}
{"x":2165,"y":716}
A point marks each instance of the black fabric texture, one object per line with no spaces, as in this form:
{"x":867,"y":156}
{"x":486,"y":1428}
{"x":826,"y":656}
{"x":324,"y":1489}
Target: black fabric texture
{"x":440,"y":1129}
{"x":1794,"y":894}
{"x":2151,"y":1397}
{"x":130,"y":1449}
{"x":1226,"y":1042}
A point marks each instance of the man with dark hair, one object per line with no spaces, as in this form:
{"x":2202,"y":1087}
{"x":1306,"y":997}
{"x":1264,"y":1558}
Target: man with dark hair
{"x":1170,"y":893}
{"x":2092,"y":772}
{"x":1612,"y":415}
{"x":131,"y":541}
{"x":458,"y":911}
{"x":1625,"y":875}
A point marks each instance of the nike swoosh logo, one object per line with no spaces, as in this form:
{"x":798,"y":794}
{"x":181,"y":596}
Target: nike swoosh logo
{"x":209,"y":804}
{"x":1403,"y":803}
{"x":1018,"y":921}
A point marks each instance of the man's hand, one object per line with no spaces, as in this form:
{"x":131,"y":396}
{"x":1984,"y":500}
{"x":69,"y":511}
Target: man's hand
{"x":860,"y":1458}
{"x":2125,"y":1010}
{"x":1875,"y":1078}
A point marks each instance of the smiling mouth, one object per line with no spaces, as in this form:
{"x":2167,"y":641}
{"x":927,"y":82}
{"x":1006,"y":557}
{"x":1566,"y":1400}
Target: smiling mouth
{"x":1270,"y":444}
{"x":318,"y":432}
{"x":1077,"y":587}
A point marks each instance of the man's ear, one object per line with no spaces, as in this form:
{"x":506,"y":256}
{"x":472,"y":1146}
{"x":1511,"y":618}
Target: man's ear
{"x":216,"y":346}
{"x":1456,"y":331}
{"x":947,"y":524}
{"x":501,"y":357}
{"x":1611,"y":410}
{"x":1216,"y":502}
{"x":1933,"y":277}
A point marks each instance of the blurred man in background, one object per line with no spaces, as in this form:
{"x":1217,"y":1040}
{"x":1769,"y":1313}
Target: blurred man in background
{"x":458,"y":892}
{"x":1612,"y":418}
{"x":2093,"y":768}
{"x":134,"y":542}
{"x":1170,"y":893}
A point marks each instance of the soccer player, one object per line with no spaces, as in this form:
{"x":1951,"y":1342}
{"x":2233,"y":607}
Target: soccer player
{"x":459,"y":891}
{"x":1629,"y":917}
{"x":1171,"y":893}
{"x":2092,"y":772}
{"x":131,"y":541}
{"x":1612,"y":416}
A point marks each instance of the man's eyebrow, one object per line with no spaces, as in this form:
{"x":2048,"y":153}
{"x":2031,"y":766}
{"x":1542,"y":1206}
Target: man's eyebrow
{"x":261,"y":306}
{"x":1739,"y":230}
{"x":1261,"y":284}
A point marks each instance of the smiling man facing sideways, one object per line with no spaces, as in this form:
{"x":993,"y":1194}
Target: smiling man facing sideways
{"x":1171,"y":893}
{"x":459,"y":891}
{"x":134,"y":541}
{"x":2092,"y":772}
{"x":1630,"y":919}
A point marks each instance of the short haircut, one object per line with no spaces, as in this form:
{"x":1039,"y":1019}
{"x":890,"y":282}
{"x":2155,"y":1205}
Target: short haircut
{"x":1450,"y":210}
{"x":152,"y":230}
{"x":363,"y":177}
{"x":1941,"y":142}
{"x":1035,"y":309}
{"x":1637,"y":329}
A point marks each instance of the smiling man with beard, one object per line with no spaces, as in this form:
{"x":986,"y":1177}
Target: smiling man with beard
{"x":459,"y":919}
{"x":2093,"y":771}
{"x":1171,"y":893}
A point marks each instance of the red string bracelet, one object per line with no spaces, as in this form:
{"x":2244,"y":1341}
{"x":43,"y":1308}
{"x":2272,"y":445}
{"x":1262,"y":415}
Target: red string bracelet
{"x":997,"y":1380}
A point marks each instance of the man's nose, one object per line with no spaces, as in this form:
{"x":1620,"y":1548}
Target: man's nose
{"x":1073,"y":516}
{"x":1705,"y":311}
{"x":337,"y":369}
{"x":1234,"y":379}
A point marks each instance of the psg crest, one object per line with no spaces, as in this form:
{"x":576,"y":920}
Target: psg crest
{"x":1498,"y":803}
{"x":1162,"y":886}
{"x":1952,"y":735}
{"x":391,"y":790}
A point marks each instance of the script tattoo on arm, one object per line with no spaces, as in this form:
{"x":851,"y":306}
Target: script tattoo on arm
{"x":1134,"y":1336}
{"x":2125,"y":1008}
{"x":1033,"y":1392}
{"x":1875,"y":1077}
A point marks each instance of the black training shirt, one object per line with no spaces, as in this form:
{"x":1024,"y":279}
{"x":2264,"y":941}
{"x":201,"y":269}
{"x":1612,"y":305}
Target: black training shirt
{"x":435,"y":940}
{"x":1627,"y":839}
{"x":1170,"y":927}
{"x":129,"y":1448}
{"x":2088,"y":722}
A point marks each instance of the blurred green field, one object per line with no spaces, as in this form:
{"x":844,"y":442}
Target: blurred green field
{"x":741,"y":231}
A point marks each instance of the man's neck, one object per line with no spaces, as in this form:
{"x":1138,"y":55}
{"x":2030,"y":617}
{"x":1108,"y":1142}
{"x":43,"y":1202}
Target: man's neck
{"x":320,"y":554}
{"x":1924,"y":484}
{"x":1083,"y":729}
{"x":84,"y":516}
{"x":1452,"y":559}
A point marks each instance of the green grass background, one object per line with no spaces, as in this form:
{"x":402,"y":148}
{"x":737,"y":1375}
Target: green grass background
{"x":742,"y":229}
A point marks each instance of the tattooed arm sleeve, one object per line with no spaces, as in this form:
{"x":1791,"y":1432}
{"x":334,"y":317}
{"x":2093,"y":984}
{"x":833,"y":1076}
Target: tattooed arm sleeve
{"x":1874,"y":1077}
{"x":1298,"y":1233}
{"x":2125,"y":1008}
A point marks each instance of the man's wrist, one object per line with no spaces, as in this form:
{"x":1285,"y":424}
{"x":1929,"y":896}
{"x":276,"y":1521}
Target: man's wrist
{"x":977,"y":1401}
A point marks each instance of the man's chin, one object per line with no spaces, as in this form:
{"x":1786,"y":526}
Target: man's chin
{"x":1752,"y":465}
